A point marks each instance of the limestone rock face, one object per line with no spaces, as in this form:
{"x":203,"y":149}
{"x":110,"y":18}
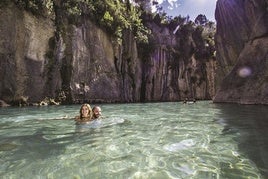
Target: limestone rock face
{"x":173,"y":71}
{"x":23,"y":50}
{"x":242,"y":51}
{"x":88,"y":70}
{"x":50,"y":57}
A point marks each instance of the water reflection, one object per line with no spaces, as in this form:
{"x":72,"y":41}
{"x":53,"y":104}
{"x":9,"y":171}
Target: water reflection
{"x":250,"y":123}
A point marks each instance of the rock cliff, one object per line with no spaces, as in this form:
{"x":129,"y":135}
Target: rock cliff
{"x":242,"y":51}
{"x":50,"y":57}
{"x":177,"y":69}
{"x":23,"y":53}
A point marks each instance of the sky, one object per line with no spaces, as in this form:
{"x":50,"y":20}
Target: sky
{"x":189,"y":7}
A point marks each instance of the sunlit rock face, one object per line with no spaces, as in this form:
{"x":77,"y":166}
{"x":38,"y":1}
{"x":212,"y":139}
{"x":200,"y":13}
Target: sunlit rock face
{"x":81,"y":64}
{"x":36,"y":64}
{"x":88,"y":70}
{"x":242,"y":51}
{"x":48,"y":56}
{"x":172,"y":71}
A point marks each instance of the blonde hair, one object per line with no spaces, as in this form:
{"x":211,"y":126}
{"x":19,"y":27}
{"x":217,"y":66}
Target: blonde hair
{"x":89,"y":109}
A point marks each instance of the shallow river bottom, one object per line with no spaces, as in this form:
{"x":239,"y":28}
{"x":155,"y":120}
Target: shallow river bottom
{"x":151,"y":140}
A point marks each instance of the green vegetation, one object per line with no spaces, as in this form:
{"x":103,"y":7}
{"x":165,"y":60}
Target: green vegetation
{"x":4,"y":3}
{"x":116,"y":16}
{"x":112,"y":15}
{"x":37,"y":7}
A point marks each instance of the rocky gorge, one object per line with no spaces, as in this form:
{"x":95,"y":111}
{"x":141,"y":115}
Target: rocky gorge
{"x":49,"y":57}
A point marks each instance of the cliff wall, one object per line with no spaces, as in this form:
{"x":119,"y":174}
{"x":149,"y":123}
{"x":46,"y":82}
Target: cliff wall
{"x":50,"y":57}
{"x":177,"y":68}
{"x":242,"y":51}
{"x":23,"y":53}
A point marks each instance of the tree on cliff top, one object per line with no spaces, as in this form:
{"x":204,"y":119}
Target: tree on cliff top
{"x":112,"y":15}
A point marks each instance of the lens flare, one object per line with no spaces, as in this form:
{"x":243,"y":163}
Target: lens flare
{"x":244,"y":72}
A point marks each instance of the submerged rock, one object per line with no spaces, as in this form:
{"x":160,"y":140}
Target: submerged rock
{"x":7,"y":146}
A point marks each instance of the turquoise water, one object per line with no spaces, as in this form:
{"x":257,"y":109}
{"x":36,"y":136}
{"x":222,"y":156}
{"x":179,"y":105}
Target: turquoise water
{"x":152,"y":140}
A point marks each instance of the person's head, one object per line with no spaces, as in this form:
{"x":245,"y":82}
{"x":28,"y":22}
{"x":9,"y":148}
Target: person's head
{"x":85,"y":110}
{"x":96,"y":112}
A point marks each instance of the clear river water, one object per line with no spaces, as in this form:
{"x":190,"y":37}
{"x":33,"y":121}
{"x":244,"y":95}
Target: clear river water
{"x":140,"y":140}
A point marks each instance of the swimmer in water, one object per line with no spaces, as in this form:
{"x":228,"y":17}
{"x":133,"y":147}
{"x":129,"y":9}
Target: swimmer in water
{"x":85,"y":114}
{"x":96,"y":113}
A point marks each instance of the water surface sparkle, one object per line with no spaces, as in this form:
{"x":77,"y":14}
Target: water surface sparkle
{"x":152,"y":140}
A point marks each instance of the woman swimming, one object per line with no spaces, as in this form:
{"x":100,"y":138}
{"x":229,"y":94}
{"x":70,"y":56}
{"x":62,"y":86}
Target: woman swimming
{"x":85,"y":114}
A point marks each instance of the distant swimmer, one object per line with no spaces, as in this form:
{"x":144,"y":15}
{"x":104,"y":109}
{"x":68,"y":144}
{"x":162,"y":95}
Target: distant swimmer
{"x":187,"y":101}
